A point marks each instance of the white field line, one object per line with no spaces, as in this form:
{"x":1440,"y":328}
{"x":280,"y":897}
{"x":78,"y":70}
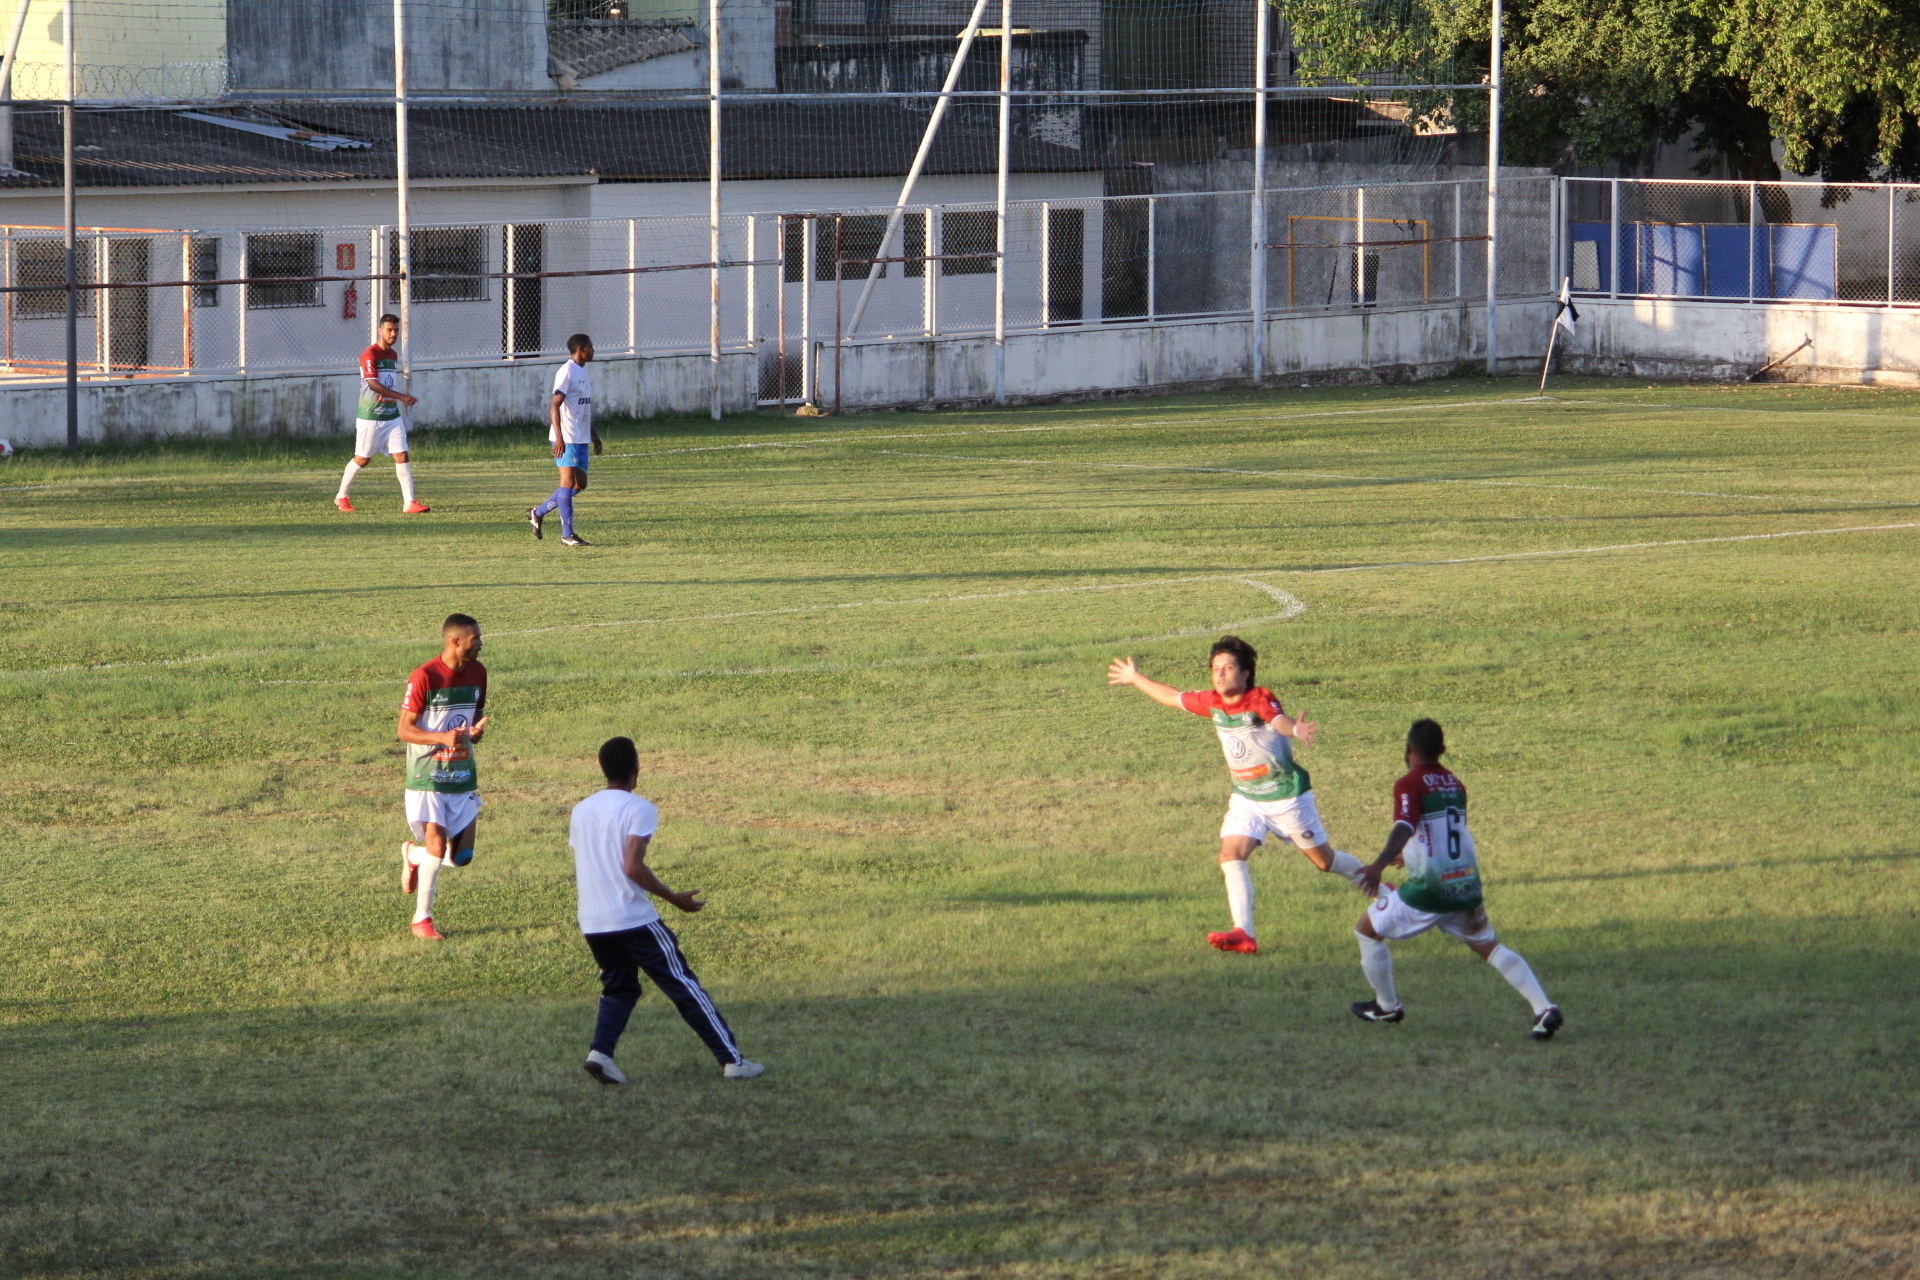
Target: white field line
{"x":1385,"y":480}
{"x":1291,"y":607}
{"x":1249,"y":578}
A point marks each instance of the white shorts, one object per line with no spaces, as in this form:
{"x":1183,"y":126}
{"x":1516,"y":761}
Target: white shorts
{"x":1297,"y":819}
{"x":387,"y":435}
{"x":454,"y":811}
{"x":1395,"y":921}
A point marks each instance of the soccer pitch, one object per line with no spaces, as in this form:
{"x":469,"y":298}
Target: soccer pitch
{"x":959,"y":886}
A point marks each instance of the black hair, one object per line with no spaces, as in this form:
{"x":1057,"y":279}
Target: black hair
{"x":619,"y":759}
{"x":1427,"y":738}
{"x":578,"y":341}
{"x":1243,"y":653}
{"x":391,"y":319}
{"x":460,"y":621}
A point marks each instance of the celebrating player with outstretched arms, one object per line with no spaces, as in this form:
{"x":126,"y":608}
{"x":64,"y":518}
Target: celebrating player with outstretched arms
{"x":1271,"y":792}
{"x":442,"y":716}
{"x":1441,"y":889}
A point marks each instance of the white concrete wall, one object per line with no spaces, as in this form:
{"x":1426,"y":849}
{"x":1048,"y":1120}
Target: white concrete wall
{"x":1689,"y":338}
{"x":1084,"y":360}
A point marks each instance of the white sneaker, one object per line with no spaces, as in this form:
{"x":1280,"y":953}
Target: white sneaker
{"x":601,"y":1068}
{"x":739,"y":1070}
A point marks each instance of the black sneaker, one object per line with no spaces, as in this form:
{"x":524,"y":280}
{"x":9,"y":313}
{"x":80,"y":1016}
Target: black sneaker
{"x":535,"y":519}
{"x":573,"y":540}
{"x":1370,"y":1011}
{"x":1547,"y":1023}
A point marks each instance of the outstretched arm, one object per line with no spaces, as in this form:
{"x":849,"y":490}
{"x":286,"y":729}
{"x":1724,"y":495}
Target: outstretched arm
{"x":1124,"y":671}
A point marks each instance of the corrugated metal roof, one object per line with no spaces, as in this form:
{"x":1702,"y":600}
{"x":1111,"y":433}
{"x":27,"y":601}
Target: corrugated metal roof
{"x":617,"y":142}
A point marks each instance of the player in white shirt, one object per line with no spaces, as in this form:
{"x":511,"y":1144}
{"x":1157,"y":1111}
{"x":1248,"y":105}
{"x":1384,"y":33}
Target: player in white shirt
{"x":609,"y":833}
{"x":571,"y":431}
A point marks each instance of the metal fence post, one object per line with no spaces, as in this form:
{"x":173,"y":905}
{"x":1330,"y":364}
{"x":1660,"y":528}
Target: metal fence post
{"x":1613,"y":238}
{"x":1493,"y":199}
{"x":1360,"y":245}
{"x":102,"y":305}
{"x":376,"y":288}
{"x":513,"y":291}
{"x":7,"y":274}
{"x":809,"y":358}
{"x":1753,"y":240}
{"x":241,"y":320}
{"x":713,"y":195}
{"x":403,"y":199}
{"x":186,"y":303}
{"x":1047,"y":263}
{"x":930,"y":287}
{"x":1000,"y":208}
{"x":1257,"y":264}
{"x":753,"y":284}
{"x":1459,"y":245}
{"x":1890,"y":226}
{"x":1153,"y":263}
{"x":633,"y":286}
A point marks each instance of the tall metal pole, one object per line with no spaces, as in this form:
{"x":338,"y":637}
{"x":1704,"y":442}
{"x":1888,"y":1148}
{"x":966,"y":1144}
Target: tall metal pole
{"x":919,"y":162}
{"x":713,"y":196}
{"x":403,"y":225}
{"x":1000,"y":208}
{"x":73,"y":241}
{"x":1257,"y":272}
{"x":6,"y":87}
{"x":1493,"y":199}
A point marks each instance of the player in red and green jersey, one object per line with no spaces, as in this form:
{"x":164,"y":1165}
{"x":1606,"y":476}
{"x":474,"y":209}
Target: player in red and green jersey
{"x":1271,"y":792}
{"x":381,"y":426}
{"x":1442,"y":886}
{"x":442,"y":716}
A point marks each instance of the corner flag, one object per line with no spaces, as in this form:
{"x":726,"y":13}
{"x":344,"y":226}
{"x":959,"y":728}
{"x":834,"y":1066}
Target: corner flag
{"x":1565,"y":316}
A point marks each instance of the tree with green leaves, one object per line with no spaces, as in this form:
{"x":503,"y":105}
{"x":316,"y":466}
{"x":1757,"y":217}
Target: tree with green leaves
{"x":1604,"y":81}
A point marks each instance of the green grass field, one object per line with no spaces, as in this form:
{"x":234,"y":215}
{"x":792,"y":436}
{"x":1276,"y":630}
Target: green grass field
{"x":959,"y":886}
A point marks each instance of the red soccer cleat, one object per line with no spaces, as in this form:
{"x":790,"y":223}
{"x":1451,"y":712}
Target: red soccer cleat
{"x":416,"y":508}
{"x":425,"y":929}
{"x":343,"y":504}
{"x":1233,"y":940}
{"x":409,"y":869}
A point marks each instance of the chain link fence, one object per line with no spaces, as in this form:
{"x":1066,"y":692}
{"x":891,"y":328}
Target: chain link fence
{"x":1745,"y":241}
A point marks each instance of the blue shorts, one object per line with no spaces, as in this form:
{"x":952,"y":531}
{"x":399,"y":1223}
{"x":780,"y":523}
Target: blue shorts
{"x":573,"y":455}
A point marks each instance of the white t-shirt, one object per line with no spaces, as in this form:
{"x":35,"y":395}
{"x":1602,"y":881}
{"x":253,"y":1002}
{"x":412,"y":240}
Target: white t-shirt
{"x":576,"y":404}
{"x":609,"y":901}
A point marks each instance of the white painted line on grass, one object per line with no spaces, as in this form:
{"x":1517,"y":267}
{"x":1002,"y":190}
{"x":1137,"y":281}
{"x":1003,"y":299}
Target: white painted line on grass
{"x":1248,"y":577}
{"x":1387,"y":480}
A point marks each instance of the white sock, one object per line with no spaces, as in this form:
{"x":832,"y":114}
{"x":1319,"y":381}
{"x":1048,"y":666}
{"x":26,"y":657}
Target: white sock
{"x":448,"y":860}
{"x":1345,"y":864}
{"x":1516,"y":971}
{"x":346,"y":480}
{"x":1239,"y":894}
{"x":1376,"y":961}
{"x":429,"y":873}
{"x":403,"y":471}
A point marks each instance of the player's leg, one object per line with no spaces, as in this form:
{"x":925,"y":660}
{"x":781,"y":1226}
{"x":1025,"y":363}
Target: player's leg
{"x":1388,"y":919}
{"x":563,"y":499}
{"x":403,"y":468}
{"x":1474,"y":929}
{"x":362,"y":453}
{"x":426,"y":855}
{"x":617,"y":954}
{"x":1376,"y":962}
{"x":1241,"y":832}
{"x":1300,"y":823}
{"x":660,"y":957}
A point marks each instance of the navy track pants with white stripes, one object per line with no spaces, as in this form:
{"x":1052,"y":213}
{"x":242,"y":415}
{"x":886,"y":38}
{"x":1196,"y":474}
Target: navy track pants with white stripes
{"x":653,"y":950}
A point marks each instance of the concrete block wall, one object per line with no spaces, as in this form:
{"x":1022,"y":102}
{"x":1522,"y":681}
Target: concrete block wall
{"x":1392,"y":343}
{"x":1720,"y":341}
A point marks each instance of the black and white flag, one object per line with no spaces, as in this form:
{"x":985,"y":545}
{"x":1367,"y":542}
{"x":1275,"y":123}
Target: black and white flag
{"x":1567,"y":314}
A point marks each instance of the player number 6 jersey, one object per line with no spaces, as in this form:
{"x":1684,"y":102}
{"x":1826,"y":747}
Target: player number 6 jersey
{"x":1442,"y":872}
